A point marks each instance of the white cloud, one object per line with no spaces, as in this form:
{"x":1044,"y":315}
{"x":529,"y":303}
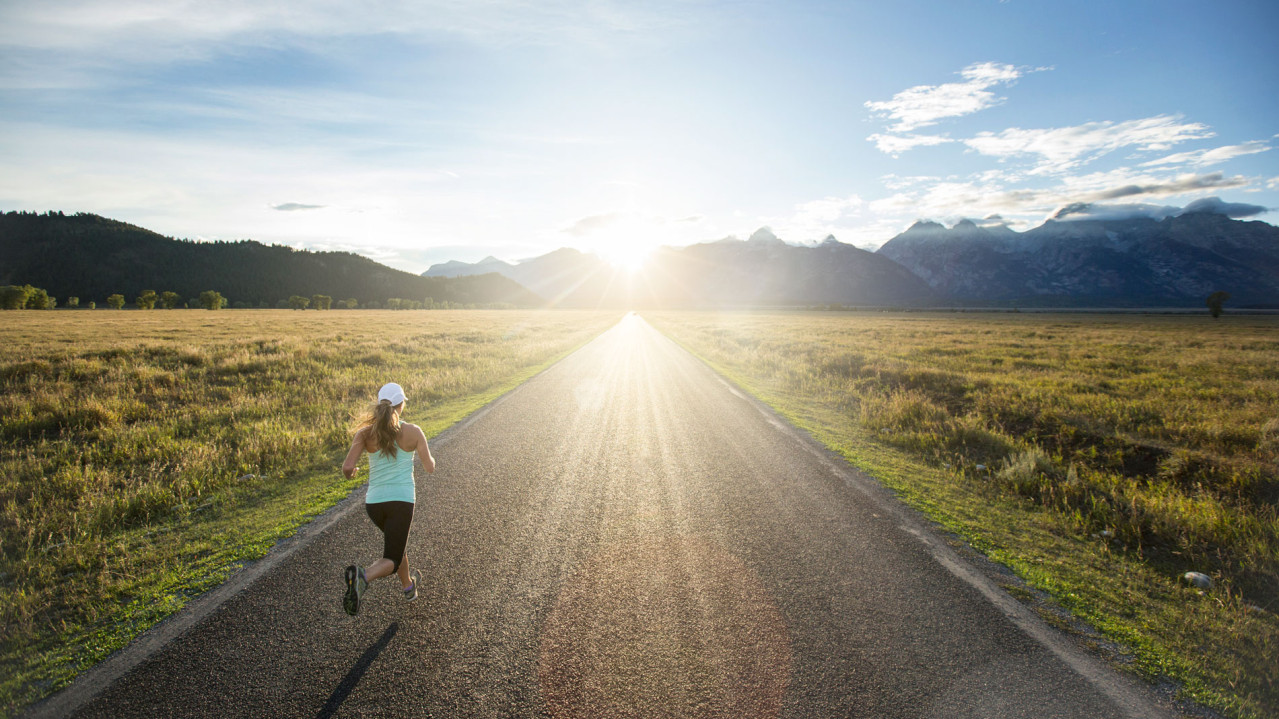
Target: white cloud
{"x":897,"y":144}
{"x":1063,"y":148}
{"x":925,"y":105}
{"x":1210,"y":157}
{"x":983,"y":195}
{"x":899,"y":182}
{"x":594,"y":223}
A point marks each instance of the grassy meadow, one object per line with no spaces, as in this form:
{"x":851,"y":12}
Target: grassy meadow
{"x":146,"y":455}
{"x":1098,"y":456}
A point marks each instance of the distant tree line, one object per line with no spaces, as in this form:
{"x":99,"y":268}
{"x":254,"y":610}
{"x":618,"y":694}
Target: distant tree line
{"x":26,"y":297}
{"x":14,"y":297}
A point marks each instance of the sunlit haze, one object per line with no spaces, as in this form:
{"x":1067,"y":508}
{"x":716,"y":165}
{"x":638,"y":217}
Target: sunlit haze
{"x":416,"y":133}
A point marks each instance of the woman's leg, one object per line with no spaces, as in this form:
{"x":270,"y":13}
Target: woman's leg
{"x":403,"y":572}
{"x":394,"y":519}
{"x":380,"y":568}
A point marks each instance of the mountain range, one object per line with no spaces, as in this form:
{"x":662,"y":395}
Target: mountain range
{"x":1140,"y":261}
{"x":1175,"y":261}
{"x":91,"y":257}
{"x":762,"y":270}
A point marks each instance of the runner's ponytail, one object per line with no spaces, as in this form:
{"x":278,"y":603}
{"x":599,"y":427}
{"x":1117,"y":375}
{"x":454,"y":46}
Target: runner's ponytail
{"x":383,"y":421}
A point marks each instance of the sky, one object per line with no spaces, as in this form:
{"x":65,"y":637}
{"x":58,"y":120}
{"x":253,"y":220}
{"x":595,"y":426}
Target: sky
{"x":420,"y":132}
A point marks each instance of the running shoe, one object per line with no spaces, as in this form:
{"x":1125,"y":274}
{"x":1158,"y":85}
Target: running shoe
{"x":411,"y":593}
{"x":355,"y":586}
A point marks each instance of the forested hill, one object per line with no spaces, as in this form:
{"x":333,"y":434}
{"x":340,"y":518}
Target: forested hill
{"x":91,"y":257}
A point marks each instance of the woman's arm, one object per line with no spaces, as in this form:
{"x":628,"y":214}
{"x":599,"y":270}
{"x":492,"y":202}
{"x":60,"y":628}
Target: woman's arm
{"x":353,"y":455}
{"x":423,"y":450}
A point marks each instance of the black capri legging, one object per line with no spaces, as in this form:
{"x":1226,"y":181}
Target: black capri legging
{"x":394,"y":519}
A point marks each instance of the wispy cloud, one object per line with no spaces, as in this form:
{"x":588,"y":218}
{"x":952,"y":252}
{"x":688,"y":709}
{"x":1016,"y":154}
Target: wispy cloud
{"x":143,"y":30}
{"x":813,"y":220}
{"x":1217,"y":206}
{"x":594,"y":223}
{"x":1175,"y":186}
{"x":827,"y":209}
{"x":295,"y":206}
{"x":899,"y":182}
{"x":895,"y":145}
{"x":1213,"y":205}
{"x":925,"y":105}
{"x":1212,"y":156}
{"x":1079,"y":211}
{"x":1059,"y":149}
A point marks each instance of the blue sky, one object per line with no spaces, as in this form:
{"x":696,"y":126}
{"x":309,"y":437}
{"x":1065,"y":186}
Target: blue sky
{"x":420,"y":132}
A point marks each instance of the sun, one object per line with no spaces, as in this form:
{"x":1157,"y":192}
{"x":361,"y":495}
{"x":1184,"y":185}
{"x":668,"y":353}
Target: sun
{"x":628,"y":246}
{"x":627,"y":258}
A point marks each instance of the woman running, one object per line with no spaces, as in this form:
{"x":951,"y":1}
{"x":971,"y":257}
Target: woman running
{"x":391,"y":445}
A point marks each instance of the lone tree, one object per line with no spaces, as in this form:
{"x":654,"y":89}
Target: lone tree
{"x":211,"y":300}
{"x":169,"y":300}
{"x":1215,"y":301}
{"x":298,"y":302}
{"x":321,"y":302}
{"x":147,"y":300}
{"x":73,"y":302}
{"x":115,"y":302}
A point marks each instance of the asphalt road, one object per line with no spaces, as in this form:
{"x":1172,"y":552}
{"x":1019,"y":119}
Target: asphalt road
{"x":623,"y":536}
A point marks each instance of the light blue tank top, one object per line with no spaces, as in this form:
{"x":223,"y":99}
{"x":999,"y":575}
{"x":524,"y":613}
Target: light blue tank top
{"x":390,"y":478}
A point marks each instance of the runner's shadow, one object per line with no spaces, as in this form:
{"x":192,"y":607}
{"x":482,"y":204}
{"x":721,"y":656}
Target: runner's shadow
{"x":353,"y":677}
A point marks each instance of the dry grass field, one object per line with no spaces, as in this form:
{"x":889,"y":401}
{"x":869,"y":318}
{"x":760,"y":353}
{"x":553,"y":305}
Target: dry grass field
{"x":147,"y":454}
{"x":1099,"y":456}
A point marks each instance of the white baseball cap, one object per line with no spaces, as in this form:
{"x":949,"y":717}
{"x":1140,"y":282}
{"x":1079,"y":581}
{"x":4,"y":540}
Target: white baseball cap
{"x":391,"y":392}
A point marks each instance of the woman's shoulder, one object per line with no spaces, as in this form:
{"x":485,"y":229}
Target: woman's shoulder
{"x":410,"y":433}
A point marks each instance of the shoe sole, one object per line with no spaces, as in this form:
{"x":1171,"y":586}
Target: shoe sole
{"x":351,"y":600}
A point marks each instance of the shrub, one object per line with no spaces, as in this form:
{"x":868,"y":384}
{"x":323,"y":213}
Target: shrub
{"x":211,"y":300}
{"x":13,"y":297}
{"x":1026,"y":471}
{"x":115,"y":302}
{"x":38,"y":299}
